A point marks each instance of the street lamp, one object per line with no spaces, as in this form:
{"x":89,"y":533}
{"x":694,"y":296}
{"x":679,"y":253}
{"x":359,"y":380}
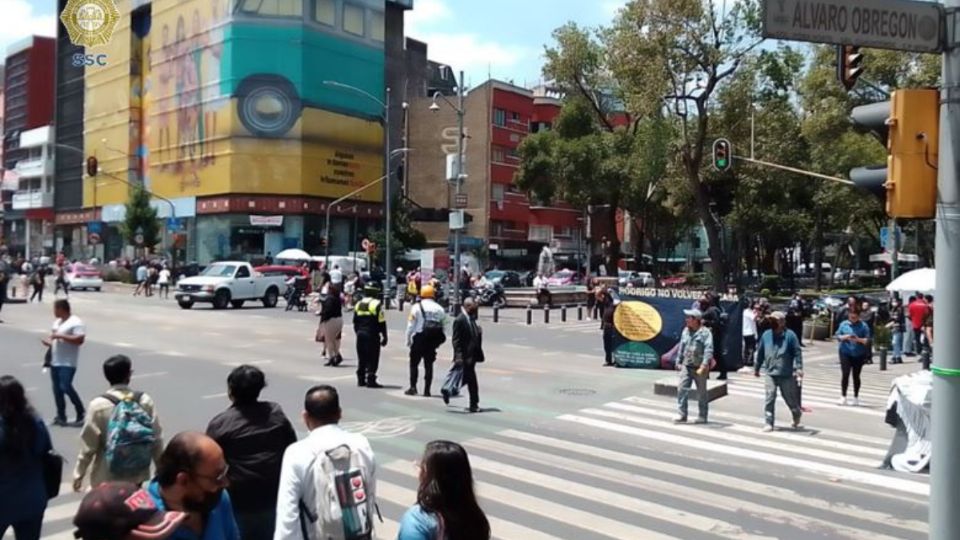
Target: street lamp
{"x":385,"y":106}
{"x":459,"y":109}
{"x":326,"y":231}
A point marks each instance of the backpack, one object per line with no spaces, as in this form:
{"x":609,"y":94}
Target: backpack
{"x":130,"y":436}
{"x":432,"y":330}
{"x":342,"y":510}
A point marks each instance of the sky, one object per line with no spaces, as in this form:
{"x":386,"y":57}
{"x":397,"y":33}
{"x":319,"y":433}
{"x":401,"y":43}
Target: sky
{"x":504,"y":38}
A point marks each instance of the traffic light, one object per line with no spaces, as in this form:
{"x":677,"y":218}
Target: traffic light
{"x":722,"y":155}
{"x":92,"y":166}
{"x":849,"y":65}
{"x":909,"y":126}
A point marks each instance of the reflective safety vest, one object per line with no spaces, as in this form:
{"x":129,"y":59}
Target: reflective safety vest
{"x":368,"y":316}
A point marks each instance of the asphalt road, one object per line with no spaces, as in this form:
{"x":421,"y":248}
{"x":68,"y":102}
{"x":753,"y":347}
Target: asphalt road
{"x":565,"y":447}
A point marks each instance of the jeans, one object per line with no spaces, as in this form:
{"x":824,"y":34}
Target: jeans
{"x":256,"y":525}
{"x":688,"y":374}
{"x":897,"y":345}
{"x":28,"y":529}
{"x":907,"y":339}
{"x":749,"y":347}
{"x":789,"y":391}
{"x":62,"y":379}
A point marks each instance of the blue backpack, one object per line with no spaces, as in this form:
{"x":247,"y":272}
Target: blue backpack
{"x":130,"y":436}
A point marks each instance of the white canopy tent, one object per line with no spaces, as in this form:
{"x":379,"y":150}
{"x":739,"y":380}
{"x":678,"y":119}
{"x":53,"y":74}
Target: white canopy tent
{"x":922,"y":280}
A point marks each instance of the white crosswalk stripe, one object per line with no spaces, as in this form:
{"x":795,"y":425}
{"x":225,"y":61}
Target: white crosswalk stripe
{"x":662,"y":480}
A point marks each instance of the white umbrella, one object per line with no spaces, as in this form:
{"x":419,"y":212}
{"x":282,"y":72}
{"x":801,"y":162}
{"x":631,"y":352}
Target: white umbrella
{"x":922,"y":281}
{"x":293,"y":255}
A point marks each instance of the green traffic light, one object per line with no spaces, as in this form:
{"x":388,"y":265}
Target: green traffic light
{"x":721,"y":163}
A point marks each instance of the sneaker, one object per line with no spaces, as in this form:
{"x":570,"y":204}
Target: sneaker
{"x":796,"y":425}
{"x":843,"y":402}
{"x":767,"y":428}
{"x":856,"y":402}
{"x":411,"y":392}
{"x":700,"y":421}
{"x":446,"y":396}
{"x":78,"y":422}
{"x":680,"y":420}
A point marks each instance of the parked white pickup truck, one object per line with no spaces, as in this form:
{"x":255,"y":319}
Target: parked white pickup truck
{"x":229,"y":283}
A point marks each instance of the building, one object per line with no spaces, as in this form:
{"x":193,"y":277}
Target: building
{"x":227,"y":117}
{"x":506,"y":226}
{"x":27,"y":153}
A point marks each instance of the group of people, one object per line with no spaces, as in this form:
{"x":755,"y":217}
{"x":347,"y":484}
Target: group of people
{"x":246,"y":477}
{"x":151,"y":275}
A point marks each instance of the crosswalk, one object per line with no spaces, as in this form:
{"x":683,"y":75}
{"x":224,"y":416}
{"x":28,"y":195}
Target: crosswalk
{"x":623,"y":470}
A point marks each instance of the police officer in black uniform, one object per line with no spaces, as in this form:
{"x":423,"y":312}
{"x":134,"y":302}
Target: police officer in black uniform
{"x":370,"y":326}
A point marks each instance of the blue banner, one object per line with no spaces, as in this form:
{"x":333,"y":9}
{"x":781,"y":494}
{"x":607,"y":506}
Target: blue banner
{"x":649,"y":322}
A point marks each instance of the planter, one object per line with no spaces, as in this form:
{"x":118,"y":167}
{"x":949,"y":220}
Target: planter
{"x":816,"y":330}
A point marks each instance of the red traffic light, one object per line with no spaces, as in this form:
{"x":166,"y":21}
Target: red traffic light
{"x":92,"y":166}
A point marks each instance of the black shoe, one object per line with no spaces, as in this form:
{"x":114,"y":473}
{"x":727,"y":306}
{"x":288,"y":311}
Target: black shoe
{"x":608,"y":364}
{"x":78,"y":422}
{"x":411,"y":391}
{"x":446,"y":396}
{"x":361,"y":382}
{"x":722,"y":377}
{"x":473,"y":409}
{"x":426,"y":393}
{"x":374,"y":384}
{"x":338,"y":360}
{"x":59,"y":422}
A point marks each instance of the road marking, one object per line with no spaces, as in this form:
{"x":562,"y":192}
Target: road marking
{"x":822,"y":403}
{"x":215,"y":396}
{"x":724,"y":482}
{"x":840,"y":473}
{"x":177,"y":354}
{"x":551,"y":510}
{"x":148,"y":375}
{"x":321,"y":378}
{"x":122,"y":345}
{"x":607,"y":475}
{"x":531,"y":370}
{"x":213,"y":334}
{"x":499,"y":528}
{"x":250,"y":363}
{"x":517,"y":346}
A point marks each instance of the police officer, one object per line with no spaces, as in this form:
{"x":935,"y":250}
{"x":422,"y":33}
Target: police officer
{"x":369,"y":324}
{"x":425,"y":334}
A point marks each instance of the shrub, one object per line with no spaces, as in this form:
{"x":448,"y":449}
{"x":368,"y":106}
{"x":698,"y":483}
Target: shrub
{"x":770,"y":283}
{"x":122,"y":275}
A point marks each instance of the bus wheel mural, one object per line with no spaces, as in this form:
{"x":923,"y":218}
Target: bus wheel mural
{"x":268,"y":106}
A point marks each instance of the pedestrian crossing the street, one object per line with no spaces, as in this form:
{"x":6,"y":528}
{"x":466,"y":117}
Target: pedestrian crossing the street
{"x":623,"y":469}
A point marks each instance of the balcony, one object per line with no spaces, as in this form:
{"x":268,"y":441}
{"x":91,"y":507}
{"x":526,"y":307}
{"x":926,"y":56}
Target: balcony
{"x":36,"y":137}
{"x":27,"y":200}
{"x":34,"y":168}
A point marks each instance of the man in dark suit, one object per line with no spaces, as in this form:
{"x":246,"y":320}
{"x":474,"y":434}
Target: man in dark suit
{"x":467,"y":352}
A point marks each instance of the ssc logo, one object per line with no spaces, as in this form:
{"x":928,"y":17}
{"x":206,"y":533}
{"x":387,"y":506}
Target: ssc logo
{"x":90,"y":23}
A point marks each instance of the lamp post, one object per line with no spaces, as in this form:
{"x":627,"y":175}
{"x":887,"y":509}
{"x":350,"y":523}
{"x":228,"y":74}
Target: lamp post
{"x":459,"y":109}
{"x":385,"y":106}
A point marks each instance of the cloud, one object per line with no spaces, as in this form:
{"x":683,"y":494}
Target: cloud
{"x":471,"y":52}
{"x":611,"y":8}
{"x":22,"y":18}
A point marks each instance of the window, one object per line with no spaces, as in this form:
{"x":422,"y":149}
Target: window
{"x":353,"y":19}
{"x":513,"y":153}
{"x":499,"y":156}
{"x":540,"y":233}
{"x":325,"y":12}
{"x":499,"y":117}
{"x":515,"y":116}
{"x":272,"y":8}
{"x":496,"y":228}
{"x":377,"y":25}
{"x":242,"y":272}
{"x":497,"y":191}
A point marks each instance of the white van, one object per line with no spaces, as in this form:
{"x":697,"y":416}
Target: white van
{"x":347,"y":263}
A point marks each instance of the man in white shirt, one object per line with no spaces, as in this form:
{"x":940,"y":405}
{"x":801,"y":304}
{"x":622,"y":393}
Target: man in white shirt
{"x":425,"y":334}
{"x":66,"y":337}
{"x":163,"y":280}
{"x":298,"y":481}
{"x":749,"y":334}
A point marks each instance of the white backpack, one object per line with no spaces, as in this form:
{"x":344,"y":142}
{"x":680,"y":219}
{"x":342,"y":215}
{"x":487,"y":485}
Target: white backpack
{"x":343,"y":509}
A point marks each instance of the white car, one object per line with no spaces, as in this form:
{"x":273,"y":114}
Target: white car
{"x":230,"y":283}
{"x":83,"y":276}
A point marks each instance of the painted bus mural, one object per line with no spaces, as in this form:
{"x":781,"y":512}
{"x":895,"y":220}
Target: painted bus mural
{"x":210,"y":97}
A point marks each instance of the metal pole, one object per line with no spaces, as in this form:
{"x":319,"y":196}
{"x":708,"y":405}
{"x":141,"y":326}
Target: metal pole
{"x":894,"y":250}
{"x":945,"y":468}
{"x":388,"y":259}
{"x":456,"y":234}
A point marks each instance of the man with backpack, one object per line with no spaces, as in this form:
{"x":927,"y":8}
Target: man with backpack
{"x":327,"y":481}
{"x":121,"y":435}
{"x":425,"y":334}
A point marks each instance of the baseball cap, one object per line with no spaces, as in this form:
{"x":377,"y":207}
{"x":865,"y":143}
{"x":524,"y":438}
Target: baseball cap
{"x":123,"y":511}
{"x":695,"y":313}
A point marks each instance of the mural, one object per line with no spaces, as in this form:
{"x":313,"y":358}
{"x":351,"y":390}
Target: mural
{"x":228,"y":96}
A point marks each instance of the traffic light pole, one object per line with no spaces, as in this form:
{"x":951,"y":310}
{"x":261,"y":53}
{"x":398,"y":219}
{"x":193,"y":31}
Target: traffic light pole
{"x":945,"y":464}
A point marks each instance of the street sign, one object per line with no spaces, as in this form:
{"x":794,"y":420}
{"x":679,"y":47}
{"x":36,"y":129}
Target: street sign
{"x":138,"y":239}
{"x":903,"y":25}
{"x":173,"y":224}
{"x":94,"y":232}
{"x":460,"y":200}
{"x":885,"y":242}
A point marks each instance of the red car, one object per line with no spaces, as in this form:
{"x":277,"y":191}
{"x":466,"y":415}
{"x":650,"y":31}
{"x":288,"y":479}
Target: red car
{"x":563,"y":278}
{"x":674,"y":281}
{"x":286,"y":271}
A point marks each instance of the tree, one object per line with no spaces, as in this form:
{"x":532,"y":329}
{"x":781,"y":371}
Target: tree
{"x":141,"y":218}
{"x":674,"y":55}
{"x":404,"y":235}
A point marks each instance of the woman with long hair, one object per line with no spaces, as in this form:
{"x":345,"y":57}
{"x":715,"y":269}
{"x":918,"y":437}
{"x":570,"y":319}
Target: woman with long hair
{"x":447,"y":507}
{"x":24,"y":440}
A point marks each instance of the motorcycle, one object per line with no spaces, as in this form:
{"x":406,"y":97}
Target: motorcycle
{"x":490,"y":296}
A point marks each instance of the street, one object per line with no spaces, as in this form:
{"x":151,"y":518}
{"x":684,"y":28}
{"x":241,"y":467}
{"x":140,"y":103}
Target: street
{"x":564,"y":447}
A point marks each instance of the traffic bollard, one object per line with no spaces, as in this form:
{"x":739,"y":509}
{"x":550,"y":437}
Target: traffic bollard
{"x":563,"y":314}
{"x":496,"y":314}
{"x":546,"y":314}
{"x":529,"y":316}
{"x":883,"y":359}
{"x":579,"y":313}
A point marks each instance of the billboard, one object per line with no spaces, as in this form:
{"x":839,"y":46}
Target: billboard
{"x":649,"y":323}
{"x":209,"y":97}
